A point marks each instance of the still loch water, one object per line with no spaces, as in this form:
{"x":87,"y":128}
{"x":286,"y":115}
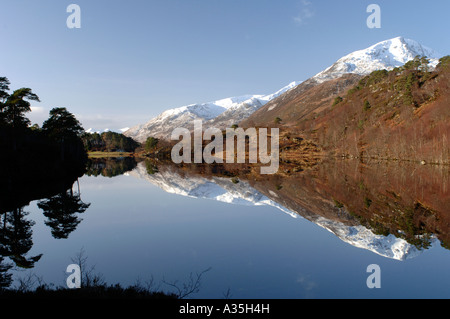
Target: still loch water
{"x":258,"y":239}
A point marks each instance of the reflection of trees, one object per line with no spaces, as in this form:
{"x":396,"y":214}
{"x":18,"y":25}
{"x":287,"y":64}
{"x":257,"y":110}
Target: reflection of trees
{"x":109,"y":167}
{"x":15,"y":239}
{"x":151,"y":168}
{"x":5,"y":277}
{"x":16,"y":231}
{"x":61,"y":211}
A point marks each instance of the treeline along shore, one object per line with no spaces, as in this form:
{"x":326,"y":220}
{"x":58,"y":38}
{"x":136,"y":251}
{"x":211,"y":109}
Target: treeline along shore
{"x":36,"y":161}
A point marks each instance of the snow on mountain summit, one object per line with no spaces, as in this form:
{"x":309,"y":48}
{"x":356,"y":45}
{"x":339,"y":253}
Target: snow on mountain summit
{"x":387,"y":54}
{"x":162,"y":125}
{"x":220,"y":113}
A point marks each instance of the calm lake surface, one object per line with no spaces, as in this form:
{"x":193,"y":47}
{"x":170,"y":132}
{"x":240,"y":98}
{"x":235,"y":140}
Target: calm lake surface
{"x":285,"y":239}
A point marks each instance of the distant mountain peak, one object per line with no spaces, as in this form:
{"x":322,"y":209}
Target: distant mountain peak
{"x":386,"y":54}
{"x":221,"y":114}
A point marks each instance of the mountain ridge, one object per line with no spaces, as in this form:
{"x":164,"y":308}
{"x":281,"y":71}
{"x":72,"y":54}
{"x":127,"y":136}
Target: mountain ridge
{"x":223,"y":113}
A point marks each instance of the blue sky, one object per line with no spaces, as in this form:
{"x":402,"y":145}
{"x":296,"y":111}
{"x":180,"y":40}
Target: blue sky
{"x":131,"y":60}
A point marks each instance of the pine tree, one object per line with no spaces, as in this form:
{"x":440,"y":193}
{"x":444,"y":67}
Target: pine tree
{"x":62,"y":124}
{"x":16,"y":105}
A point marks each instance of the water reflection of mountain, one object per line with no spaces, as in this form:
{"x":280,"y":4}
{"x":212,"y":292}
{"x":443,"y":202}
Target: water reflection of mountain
{"x":394,"y":210}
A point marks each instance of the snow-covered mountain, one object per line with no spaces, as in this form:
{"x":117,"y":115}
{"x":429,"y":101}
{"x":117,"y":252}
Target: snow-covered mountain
{"x":224,"y":190}
{"x":93,"y":130}
{"x":224,"y":113}
{"x":221,"y":114}
{"x":241,"y":111}
{"x":383,"y":55}
{"x":317,"y":93}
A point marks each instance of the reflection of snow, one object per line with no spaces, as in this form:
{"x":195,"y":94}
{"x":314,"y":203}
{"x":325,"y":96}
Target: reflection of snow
{"x":241,"y":193}
{"x":218,"y":188}
{"x":361,"y":237}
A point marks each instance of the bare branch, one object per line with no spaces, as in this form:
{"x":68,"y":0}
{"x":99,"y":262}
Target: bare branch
{"x":188,"y":288}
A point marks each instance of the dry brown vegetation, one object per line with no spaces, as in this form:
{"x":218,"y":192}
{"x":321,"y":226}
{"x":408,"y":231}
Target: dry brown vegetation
{"x":399,"y":115}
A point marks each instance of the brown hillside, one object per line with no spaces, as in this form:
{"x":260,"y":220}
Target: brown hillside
{"x":304,"y":101}
{"x":403,"y":114}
